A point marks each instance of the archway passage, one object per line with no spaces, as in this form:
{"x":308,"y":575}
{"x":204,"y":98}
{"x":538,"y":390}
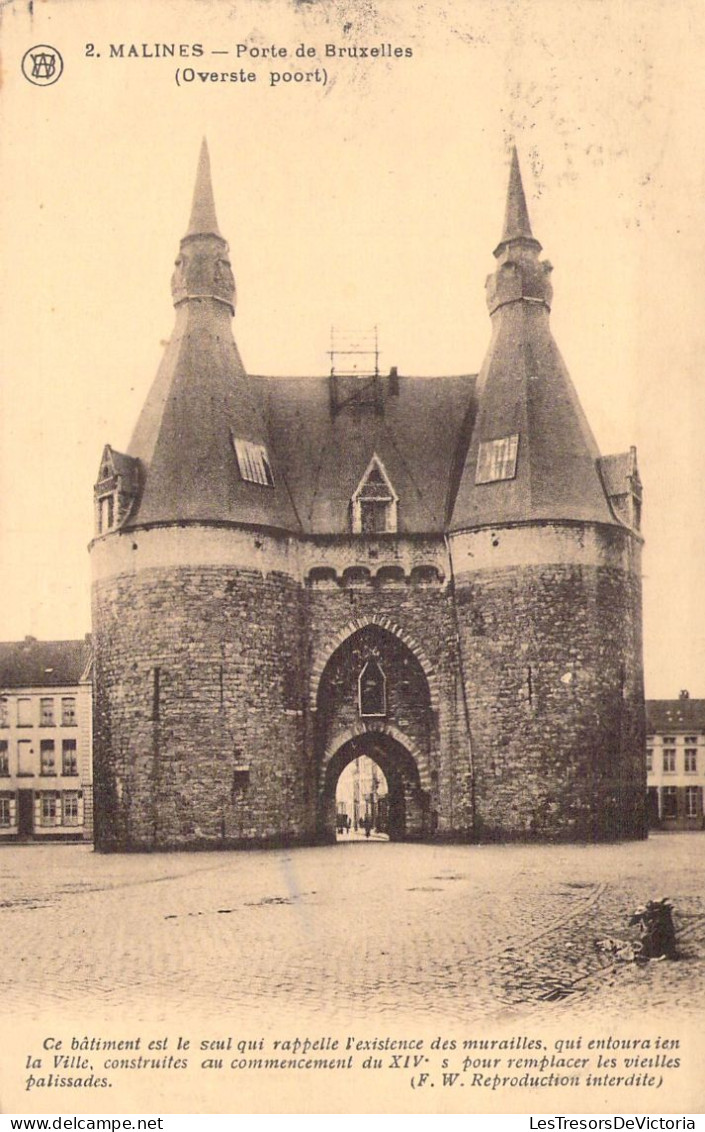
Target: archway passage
{"x":408,"y":815}
{"x":362,"y":802}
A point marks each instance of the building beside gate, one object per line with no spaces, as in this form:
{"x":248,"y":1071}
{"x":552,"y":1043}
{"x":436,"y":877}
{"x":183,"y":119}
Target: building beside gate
{"x":46,"y":784}
{"x":440,"y":573}
{"x":675,"y":762}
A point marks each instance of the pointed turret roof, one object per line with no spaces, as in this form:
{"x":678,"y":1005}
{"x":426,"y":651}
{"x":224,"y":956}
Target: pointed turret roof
{"x":532,"y":455}
{"x":517,"y":225}
{"x":203,"y":219}
{"x":203,"y":412}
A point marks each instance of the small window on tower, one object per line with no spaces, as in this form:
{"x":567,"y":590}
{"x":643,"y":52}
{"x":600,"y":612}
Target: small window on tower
{"x":497,"y":459}
{"x":253,"y":462}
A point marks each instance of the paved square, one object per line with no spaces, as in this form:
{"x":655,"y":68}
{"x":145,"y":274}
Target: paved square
{"x":363,"y":929}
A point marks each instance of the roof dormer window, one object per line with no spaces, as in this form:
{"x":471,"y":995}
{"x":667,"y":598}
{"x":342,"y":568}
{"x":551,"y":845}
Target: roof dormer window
{"x":497,"y":459}
{"x":106,"y":512}
{"x":116,"y":489}
{"x":374,"y":504}
{"x":253,"y":462}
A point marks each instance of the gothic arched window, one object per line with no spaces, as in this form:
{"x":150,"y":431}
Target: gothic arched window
{"x":372,"y":689}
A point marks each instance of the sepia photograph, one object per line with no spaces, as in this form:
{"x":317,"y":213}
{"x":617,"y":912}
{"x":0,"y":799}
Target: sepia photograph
{"x":352,"y":645}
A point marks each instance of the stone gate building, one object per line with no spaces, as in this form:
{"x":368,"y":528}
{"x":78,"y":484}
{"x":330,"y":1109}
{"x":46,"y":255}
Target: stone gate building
{"x":440,"y":573}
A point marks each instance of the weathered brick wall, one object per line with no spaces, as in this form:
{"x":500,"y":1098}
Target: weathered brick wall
{"x":555,"y":689}
{"x":197,"y":677}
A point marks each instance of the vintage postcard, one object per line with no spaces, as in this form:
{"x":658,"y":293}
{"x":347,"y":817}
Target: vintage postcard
{"x":351,"y":509}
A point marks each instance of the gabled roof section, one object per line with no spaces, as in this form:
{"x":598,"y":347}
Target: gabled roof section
{"x":418,"y":438}
{"x":684,"y":714}
{"x":114,"y":463}
{"x":43,"y":664}
{"x":375,"y":481}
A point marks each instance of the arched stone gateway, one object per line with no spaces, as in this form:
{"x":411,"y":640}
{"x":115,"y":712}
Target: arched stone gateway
{"x":373,"y":698}
{"x":410,"y":815}
{"x":443,"y":574}
{"x":326,"y":654}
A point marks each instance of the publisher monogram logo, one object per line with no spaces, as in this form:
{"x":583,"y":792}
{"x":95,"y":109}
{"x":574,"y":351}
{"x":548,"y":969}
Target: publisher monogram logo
{"x":42,"y":65}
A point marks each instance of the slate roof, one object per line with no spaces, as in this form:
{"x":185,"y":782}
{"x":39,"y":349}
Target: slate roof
{"x":618,"y":472}
{"x":420,"y":437}
{"x":517,"y":225}
{"x":185,"y":440}
{"x":524,"y":390}
{"x":203,"y":219}
{"x":38,"y":664}
{"x":664,"y":716}
{"x":123,"y":465}
{"x":200,"y":402}
{"x":426,"y":431}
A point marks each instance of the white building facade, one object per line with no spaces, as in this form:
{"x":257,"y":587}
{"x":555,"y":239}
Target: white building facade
{"x":675,"y":762}
{"x":46,"y":781}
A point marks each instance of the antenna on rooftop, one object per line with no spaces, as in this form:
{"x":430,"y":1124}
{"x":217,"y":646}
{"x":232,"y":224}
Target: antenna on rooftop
{"x":354,"y":353}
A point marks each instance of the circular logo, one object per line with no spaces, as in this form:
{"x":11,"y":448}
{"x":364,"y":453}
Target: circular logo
{"x":42,"y":65}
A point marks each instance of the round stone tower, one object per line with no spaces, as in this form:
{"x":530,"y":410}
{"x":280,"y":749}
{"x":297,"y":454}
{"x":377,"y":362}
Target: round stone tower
{"x":545,"y":552}
{"x":196,"y":595}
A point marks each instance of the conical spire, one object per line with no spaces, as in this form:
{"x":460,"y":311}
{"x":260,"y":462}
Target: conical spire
{"x":202,"y":270}
{"x":202,"y":407}
{"x":517,"y":225}
{"x":203,"y":219}
{"x":532,"y":456}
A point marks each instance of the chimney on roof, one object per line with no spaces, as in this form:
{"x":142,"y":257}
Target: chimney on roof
{"x":684,"y":694}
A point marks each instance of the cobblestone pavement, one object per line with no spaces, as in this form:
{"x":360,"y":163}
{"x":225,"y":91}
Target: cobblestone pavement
{"x":368,"y":928}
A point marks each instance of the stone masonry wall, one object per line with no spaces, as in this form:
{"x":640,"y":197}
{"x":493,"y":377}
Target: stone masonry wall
{"x":199,"y":710}
{"x":555,"y":691}
{"x":222,"y":691}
